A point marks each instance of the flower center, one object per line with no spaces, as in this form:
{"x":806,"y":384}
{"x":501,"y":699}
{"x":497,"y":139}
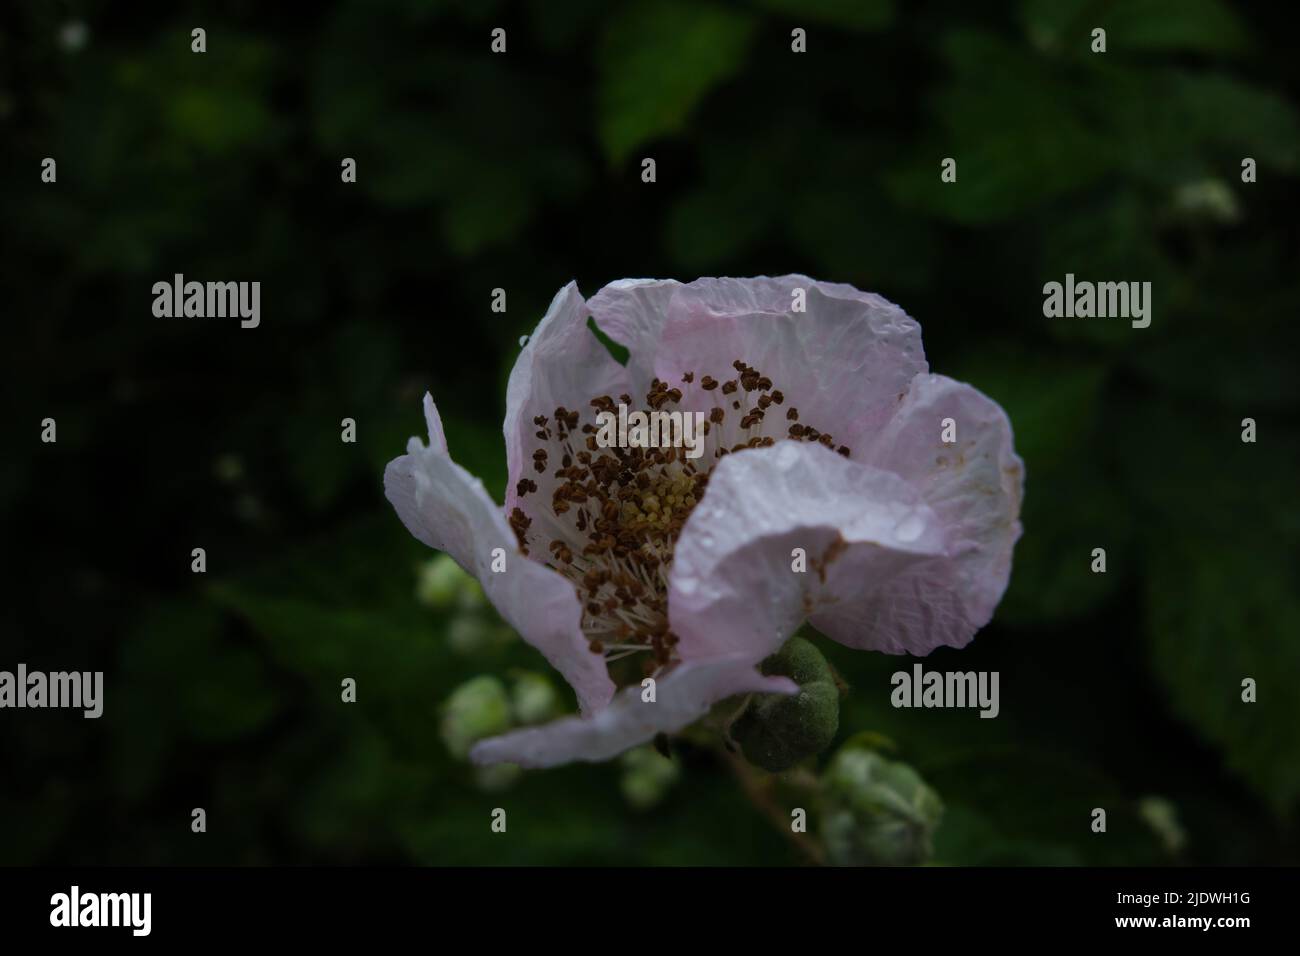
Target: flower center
{"x":615,"y":512}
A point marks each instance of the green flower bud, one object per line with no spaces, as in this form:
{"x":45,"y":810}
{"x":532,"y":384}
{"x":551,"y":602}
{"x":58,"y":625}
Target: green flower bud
{"x":441,"y":582}
{"x":647,"y":777}
{"x":1207,"y":199}
{"x":497,"y":777}
{"x":1162,"y":817}
{"x":878,"y":812}
{"x":469,"y":633}
{"x":533,"y":698}
{"x":777,"y":731}
{"x":476,"y":709}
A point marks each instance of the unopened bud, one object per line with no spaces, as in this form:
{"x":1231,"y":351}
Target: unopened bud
{"x":879,"y":812}
{"x":533,"y":698}
{"x":443,"y":584}
{"x":647,"y":777}
{"x":476,"y":709}
{"x":777,"y":731}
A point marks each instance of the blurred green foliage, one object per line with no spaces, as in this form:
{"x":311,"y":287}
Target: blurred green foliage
{"x":522,"y":171}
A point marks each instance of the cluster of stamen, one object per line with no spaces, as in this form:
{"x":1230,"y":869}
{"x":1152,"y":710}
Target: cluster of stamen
{"x":615,"y":513}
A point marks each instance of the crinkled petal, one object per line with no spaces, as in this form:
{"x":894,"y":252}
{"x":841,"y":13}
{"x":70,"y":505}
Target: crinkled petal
{"x":562,"y":364}
{"x":682,"y":696}
{"x":844,"y":361}
{"x":735,"y":585}
{"x":447,"y":508}
{"x":975,"y":486}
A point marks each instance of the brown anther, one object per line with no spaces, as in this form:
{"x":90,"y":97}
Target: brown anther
{"x":708,"y":383}
{"x":792,"y":414}
{"x":519,"y":523}
{"x":688,"y":377}
{"x":728,"y":387}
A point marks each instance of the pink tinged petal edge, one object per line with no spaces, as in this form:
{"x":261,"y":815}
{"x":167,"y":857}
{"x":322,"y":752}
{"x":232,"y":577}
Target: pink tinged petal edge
{"x":563,"y":363}
{"x":447,"y":508}
{"x":975,"y":486}
{"x":682,"y":696}
{"x":843,"y":362}
{"x":733,"y":588}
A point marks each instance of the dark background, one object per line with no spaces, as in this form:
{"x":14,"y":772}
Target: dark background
{"x":522,"y":171}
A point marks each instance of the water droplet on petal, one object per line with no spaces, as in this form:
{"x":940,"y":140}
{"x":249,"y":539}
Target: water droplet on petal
{"x":523,"y":340}
{"x":910,"y":528}
{"x":687,"y":585}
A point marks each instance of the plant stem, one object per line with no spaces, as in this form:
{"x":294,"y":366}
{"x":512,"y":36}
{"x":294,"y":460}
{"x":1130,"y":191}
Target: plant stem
{"x":757,"y":788}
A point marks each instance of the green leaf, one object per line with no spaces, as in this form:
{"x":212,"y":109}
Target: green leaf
{"x":1112,"y":237}
{"x":1208,"y":26}
{"x":1053,"y":406}
{"x":390,"y":656}
{"x":657,"y":61}
{"x":1056,"y":24}
{"x":367,"y":77}
{"x":1026,"y":807}
{"x":176,"y":662}
{"x":1221,"y":532}
{"x":1008,"y":160}
{"x":1220,"y":612}
{"x":1193,"y":123}
{"x":864,"y":15}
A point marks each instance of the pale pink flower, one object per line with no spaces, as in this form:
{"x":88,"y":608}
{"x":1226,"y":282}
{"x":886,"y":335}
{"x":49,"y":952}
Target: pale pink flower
{"x":826,"y":434}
